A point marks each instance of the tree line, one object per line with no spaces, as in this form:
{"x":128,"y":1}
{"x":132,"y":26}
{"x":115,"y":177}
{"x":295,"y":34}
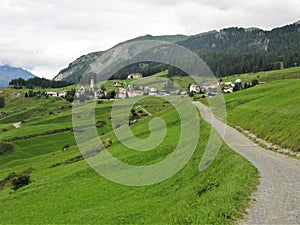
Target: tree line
{"x":31,"y":83}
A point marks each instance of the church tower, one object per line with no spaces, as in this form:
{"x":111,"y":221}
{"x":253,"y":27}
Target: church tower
{"x":92,"y":85}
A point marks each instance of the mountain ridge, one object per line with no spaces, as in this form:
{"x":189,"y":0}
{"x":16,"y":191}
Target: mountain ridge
{"x":271,"y":47}
{"x":7,"y":73}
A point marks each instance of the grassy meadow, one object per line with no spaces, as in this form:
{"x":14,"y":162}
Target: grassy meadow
{"x":64,"y":189}
{"x":291,"y":73}
{"x":271,"y":111}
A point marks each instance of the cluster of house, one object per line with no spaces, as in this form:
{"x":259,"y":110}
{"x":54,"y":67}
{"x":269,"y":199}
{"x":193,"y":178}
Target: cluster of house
{"x":92,"y":92}
{"x":228,"y":87}
{"x":215,"y":89}
{"x":211,"y":90}
{"x":133,"y":90}
{"x":126,"y":91}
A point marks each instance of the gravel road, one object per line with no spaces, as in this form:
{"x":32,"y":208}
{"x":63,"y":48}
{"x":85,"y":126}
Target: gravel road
{"x":278,"y":195}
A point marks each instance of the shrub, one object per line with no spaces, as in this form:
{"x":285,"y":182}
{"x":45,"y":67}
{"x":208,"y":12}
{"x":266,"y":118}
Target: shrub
{"x":191,"y":94}
{"x":5,"y":147}
{"x":20,"y":181}
{"x":74,"y":159}
{"x":254,"y":82}
{"x":2,"y":102}
{"x":107,"y":142}
{"x":16,"y":180}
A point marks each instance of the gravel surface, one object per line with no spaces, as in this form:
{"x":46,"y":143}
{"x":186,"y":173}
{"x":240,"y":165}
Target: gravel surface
{"x":278,"y":195}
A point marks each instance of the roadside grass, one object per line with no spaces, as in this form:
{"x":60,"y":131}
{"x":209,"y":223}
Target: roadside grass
{"x":269,"y":111}
{"x":291,"y":73}
{"x":74,"y":193}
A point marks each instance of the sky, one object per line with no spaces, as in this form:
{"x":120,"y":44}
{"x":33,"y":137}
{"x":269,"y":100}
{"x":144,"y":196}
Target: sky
{"x":44,"y":36}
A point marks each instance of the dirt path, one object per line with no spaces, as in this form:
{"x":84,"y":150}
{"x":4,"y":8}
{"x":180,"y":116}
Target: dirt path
{"x":278,"y":195}
{"x":149,"y":114}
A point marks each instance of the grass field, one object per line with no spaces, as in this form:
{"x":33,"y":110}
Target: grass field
{"x":291,"y":73}
{"x":270,"y":111}
{"x":74,"y":193}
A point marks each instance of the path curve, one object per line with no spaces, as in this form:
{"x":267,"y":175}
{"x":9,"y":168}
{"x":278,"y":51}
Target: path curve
{"x":278,"y":195}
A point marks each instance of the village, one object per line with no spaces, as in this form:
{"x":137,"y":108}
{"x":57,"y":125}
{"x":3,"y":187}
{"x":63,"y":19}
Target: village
{"x":122,"y":90}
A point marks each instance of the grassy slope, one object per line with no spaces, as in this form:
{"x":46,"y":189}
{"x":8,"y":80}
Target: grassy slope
{"x":270,"y":111}
{"x":74,"y":193}
{"x":291,"y":73}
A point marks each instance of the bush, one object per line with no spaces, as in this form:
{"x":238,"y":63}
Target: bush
{"x":191,"y":94}
{"x":74,"y":159}
{"x":107,"y":142}
{"x":5,"y":147}
{"x":20,"y":181}
{"x":2,"y":102}
{"x":254,"y":82}
{"x":16,"y":180}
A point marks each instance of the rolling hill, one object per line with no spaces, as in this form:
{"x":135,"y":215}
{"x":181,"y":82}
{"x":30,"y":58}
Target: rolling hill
{"x":8,"y":73}
{"x":64,"y":189}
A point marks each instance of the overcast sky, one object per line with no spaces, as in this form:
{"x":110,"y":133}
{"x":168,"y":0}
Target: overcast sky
{"x":44,"y":36}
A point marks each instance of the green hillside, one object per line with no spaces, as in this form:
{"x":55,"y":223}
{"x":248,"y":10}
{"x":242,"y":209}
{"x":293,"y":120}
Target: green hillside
{"x":291,"y":73}
{"x":270,"y":110}
{"x":64,"y":189}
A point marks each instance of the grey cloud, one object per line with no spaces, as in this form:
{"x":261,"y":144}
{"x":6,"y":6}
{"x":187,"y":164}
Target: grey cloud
{"x":45,"y":35}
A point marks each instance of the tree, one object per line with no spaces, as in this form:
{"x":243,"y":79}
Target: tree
{"x":102,"y":87}
{"x":70,"y":95}
{"x":30,"y":93}
{"x":2,"y":102}
{"x":110,"y":95}
{"x":254,"y":82}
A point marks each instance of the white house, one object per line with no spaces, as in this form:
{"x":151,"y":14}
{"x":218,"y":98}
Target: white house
{"x":134,"y":76}
{"x":62,"y":94}
{"x":117,"y":84}
{"x":135,"y":93}
{"x":52,"y":93}
{"x":122,"y":93}
{"x":195,"y":88}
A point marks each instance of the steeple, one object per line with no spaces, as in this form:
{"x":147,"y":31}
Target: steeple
{"x":92,"y":85}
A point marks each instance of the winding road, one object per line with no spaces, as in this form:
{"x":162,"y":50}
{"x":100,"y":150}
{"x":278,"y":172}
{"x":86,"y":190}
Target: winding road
{"x":278,"y":195}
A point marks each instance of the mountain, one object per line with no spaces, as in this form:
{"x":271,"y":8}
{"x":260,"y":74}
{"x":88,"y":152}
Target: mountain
{"x":77,"y":68}
{"x":228,"y":51}
{"x":7,"y":73}
{"x":244,"y":40}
